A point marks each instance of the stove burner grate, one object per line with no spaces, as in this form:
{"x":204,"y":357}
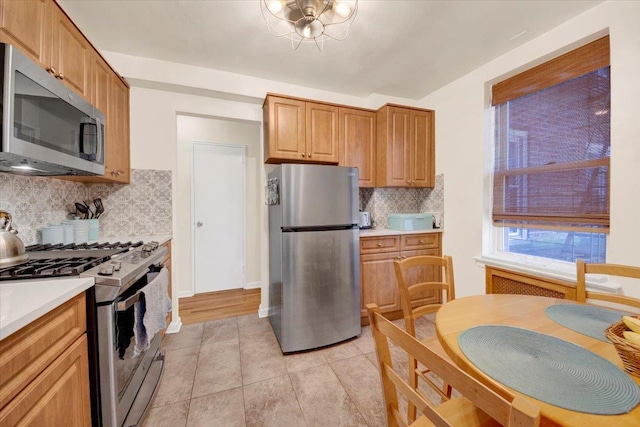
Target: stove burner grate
{"x":64,"y":260}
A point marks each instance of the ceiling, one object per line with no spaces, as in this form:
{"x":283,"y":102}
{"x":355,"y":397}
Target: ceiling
{"x":397,"y":48}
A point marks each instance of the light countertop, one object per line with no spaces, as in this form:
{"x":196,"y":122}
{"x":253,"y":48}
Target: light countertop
{"x":386,"y":232}
{"x":23,"y":301}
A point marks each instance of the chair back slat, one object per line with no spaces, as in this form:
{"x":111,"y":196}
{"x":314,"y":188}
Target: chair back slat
{"x":583,"y":268}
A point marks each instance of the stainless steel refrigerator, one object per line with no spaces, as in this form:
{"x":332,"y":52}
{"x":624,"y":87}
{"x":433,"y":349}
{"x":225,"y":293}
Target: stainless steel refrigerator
{"x":314,"y":256}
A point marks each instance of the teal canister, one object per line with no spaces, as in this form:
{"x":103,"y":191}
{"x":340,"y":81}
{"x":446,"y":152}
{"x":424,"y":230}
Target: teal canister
{"x":94,"y":229}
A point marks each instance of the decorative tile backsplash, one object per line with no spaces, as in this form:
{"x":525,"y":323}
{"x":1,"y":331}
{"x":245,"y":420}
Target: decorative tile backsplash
{"x":383,"y":201}
{"x":140,"y":208}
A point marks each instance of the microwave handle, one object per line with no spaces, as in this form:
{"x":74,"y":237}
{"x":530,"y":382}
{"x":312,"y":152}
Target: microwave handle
{"x":82,"y":126}
{"x":100,"y":144}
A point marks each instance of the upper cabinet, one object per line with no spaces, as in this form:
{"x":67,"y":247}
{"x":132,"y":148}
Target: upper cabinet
{"x":393,"y":147}
{"x":358,"y":142}
{"x":23,"y":24}
{"x":69,"y":52}
{"x":117,"y":150}
{"x":42,"y":31}
{"x":405,"y":154}
{"x":299,"y":131}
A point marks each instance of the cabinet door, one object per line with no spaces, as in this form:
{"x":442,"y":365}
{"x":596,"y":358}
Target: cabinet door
{"x":378,"y":282}
{"x":100,"y":84}
{"x":117,"y":145}
{"x":422,"y":158}
{"x":57,"y":397}
{"x":22,"y":24}
{"x":284,"y":121}
{"x":424,"y":274}
{"x":394,"y":139}
{"x":70,"y":53}
{"x":321,"y":133}
{"x":358,"y":142}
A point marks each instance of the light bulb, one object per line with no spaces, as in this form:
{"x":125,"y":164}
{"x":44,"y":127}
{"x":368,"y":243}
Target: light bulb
{"x":342,"y":8}
{"x":274,"y":6}
{"x":306,"y":31}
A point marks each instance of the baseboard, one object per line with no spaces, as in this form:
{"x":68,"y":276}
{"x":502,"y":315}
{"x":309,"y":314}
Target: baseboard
{"x":185,"y":294}
{"x":263,"y":312}
{"x":175,"y":326}
{"x":253,"y":285}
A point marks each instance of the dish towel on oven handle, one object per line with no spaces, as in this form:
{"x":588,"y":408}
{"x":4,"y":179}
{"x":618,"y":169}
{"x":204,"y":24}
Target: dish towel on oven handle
{"x":151,"y":316}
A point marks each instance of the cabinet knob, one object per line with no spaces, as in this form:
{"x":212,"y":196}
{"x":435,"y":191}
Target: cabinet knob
{"x":302,"y":154}
{"x":60,"y":76}
{"x":51,"y":70}
{"x":403,"y":257}
{"x":379,"y":245}
{"x":398,"y":257}
{"x":421,"y":241}
{"x":309,"y":156}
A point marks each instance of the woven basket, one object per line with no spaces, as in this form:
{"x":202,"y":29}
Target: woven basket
{"x":628,"y":352}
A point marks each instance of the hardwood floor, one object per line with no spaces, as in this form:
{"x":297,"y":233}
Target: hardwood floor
{"x":219,"y":305}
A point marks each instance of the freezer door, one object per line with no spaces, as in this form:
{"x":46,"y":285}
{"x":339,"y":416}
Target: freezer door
{"x":318,"y":195}
{"x":320,"y":288}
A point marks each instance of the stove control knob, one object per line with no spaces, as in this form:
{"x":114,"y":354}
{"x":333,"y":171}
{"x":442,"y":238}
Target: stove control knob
{"x":106,"y":270}
{"x":116,"y":265}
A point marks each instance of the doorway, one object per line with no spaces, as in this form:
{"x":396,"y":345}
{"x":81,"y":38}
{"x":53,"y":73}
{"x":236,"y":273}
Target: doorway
{"x":218,"y":217}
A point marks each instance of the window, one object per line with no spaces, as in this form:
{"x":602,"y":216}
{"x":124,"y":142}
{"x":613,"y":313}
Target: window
{"x":552,"y":150}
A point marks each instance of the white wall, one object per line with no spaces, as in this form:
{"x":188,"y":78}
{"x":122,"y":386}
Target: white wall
{"x":462,"y":138}
{"x":192,"y":129}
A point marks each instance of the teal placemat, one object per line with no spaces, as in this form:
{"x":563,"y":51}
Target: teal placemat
{"x":550,"y":369}
{"x":586,"y":319}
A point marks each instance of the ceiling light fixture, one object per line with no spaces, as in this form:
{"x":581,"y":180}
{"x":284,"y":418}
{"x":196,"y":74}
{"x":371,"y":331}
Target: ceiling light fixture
{"x":309,"y":20}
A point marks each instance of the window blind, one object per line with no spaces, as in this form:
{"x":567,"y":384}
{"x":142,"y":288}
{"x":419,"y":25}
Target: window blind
{"x":552,"y":146}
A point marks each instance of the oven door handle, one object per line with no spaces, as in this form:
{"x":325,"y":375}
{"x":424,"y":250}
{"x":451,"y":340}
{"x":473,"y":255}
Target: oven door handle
{"x":126,"y":304}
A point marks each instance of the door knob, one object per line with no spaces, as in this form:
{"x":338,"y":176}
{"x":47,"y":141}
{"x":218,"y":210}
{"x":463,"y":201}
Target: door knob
{"x":199,"y":224}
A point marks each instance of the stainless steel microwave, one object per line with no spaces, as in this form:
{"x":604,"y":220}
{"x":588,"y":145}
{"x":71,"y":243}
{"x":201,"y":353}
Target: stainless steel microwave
{"x":47,"y":129}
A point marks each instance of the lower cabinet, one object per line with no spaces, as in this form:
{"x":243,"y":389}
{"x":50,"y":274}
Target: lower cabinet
{"x":378,"y":282}
{"x":45,"y":374}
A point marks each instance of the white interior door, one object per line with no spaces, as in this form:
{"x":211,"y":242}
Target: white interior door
{"x":218,"y":217}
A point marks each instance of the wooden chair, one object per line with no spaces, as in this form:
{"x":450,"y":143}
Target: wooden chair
{"x":478,"y":405}
{"x":609,"y":269}
{"x":413,"y":276}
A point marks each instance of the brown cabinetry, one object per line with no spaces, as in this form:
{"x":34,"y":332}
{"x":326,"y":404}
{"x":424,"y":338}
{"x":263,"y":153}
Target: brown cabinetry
{"x":405,"y":155}
{"x":378,"y":282}
{"x":45,"y":378}
{"x":23,"y":25}
{"x":117,"y":155}
{"x":358,"y":142}
{"x":69,"y":52}
{"x":300,"y":131}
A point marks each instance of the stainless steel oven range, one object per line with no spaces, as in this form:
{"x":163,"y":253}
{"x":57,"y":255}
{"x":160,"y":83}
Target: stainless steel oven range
{"x":123,"y":383}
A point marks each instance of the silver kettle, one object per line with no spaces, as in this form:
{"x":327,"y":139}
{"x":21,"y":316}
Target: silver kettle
{"x":11,"y":247}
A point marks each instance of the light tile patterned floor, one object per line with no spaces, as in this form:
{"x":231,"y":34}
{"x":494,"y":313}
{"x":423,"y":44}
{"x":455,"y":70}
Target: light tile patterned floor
{"x":231,"y":372}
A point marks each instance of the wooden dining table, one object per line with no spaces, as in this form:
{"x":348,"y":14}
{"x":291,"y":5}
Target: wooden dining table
{"x":527,"y":312}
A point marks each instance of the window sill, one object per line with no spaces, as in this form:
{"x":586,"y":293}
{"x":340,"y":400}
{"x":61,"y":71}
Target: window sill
{"x":548,"y":268}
